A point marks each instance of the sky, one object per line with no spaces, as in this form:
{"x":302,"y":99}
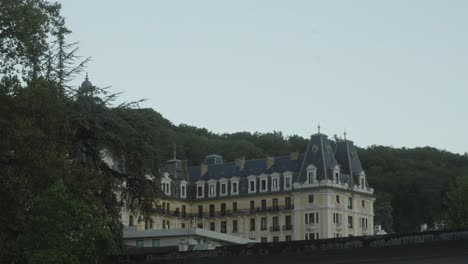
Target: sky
{"x":390,"y":72}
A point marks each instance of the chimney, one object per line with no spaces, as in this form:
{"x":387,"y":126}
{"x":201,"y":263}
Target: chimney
{"x":184,"y":170}
{"x":203,"y":169}
{"x":294,"y":155}
{"x":240,"y":162}
{"x":270,"y":161}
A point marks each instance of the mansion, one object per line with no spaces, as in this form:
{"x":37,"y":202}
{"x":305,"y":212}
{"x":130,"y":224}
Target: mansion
{"x":322,"y":193}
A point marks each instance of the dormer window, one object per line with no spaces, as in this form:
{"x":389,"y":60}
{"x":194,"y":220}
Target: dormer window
{"x":287,"y":181}
{"x":234,"y":186}
{"x":223,"y":187}
{"x":275,"y":182}
{"x":311,"y":174}
{"x":362,"y":180}
{"x":336,"y":175}
{"x":263,"y":183}
{"x":200,"y":189}
{"x":252,"y":184}
{"x":166,"y":188}
{"x":183,"y":189}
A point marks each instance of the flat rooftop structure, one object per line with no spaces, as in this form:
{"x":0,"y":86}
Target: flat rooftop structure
{"x":177,"y":236}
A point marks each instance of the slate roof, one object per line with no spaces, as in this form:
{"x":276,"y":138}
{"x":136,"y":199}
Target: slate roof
{"x":319,"y":153}
{"x":348,"y":158}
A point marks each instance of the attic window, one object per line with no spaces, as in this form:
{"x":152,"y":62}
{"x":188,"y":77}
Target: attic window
{"x":315,"y":148}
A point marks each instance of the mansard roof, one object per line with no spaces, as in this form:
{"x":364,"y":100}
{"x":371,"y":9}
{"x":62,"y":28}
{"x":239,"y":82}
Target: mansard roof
{"x":319,"y":153}
{"x":347,"y":157}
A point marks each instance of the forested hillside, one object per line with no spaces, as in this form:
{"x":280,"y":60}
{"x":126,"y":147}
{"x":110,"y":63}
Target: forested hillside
{"x":411,"y":183}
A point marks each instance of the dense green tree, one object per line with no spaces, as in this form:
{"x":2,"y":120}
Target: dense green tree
{"x":54,"y":136}
{"x":457,"y":204}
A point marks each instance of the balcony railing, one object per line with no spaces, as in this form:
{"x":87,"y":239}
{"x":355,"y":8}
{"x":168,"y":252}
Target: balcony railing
{"x":227,"y":213}
{"x":287,"y":227}
{"x":275,"y":228}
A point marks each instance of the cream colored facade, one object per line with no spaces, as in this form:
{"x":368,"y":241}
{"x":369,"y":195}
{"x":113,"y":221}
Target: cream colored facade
{"x":320,"y":199}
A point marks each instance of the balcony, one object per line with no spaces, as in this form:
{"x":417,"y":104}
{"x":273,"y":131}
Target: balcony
{"x":275,"y":228}
{"x":263,"y":228}
{"x":287,"y":227}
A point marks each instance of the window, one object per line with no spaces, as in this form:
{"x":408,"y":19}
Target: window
{"x":168,"y":208}
{"x":183,"y":211}
{"x":164,"y":224}
{"x":151,"y":223}
{"x":223,"y":227}
{"x":200,"y":191}
{"x":263,"y":239}
{"x":337,"y":177}
{"x":200,"y":225}
{"x":275,"y":204}
{"x":311,"y":199}
{"x":363,"y":204}
{"x":287,"y":182}
{"x":275,"y":185}
{"x":311,"y":236}
{"x":311,"y":218}
{"x":363,"y":183}
{"x":263,"y":223}
{"x":364,"y":222}
{"x":183,"y":190}
{"x":156,"y":243}
{"x":263,"y":185}
{"x":337,"y":199}
{"x":130,"y":220}
{"x":168,"y":224}
{"x":275,"y":239}
{"x":200,"y":211}
{"x":183,"y":225}
{"x":212,"y":190}
{"x":288,"y":220}
{"x":288,"y":238}
{"x":337,"y":218}
{"x":234,"y":207}
{"x":287,"y":203}
{"x":213,"y":226}
{"x":140,"y":243}
{"x":223,"y":209}
{"x":264,"y":206}
{"x":177,"y":213}
{"x":212,"y":210}
{"x":350,"y":221}
{"x":311,"y":176}
{"x":350,"y":203}
{"x":234,"y":226}
{"x":223,"y":189}
{"x":252,"y":224}
{"x":275,"y":223}
{"x":251,"y":186}
{"x":234,"y":188}
{"x":252,"y":206}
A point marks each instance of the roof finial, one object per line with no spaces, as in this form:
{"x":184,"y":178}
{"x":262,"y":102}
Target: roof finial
{"x":344,"y":134}
{"x":87,"y":76}
{"x":318,"y":127}
{"x":175,"y":152}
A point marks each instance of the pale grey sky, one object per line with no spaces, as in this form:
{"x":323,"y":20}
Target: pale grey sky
{"x":391,"y":72}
